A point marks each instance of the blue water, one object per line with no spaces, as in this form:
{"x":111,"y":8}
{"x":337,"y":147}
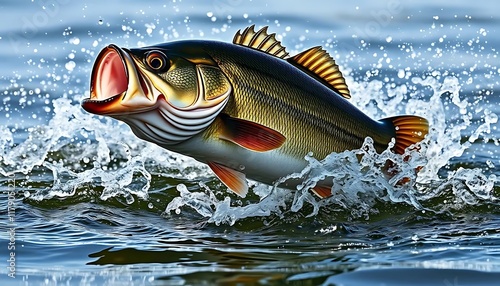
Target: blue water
{"x":90,"y":204}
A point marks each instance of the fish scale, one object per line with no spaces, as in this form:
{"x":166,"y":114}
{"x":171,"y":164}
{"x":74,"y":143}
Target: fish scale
{"x":320,"y":124}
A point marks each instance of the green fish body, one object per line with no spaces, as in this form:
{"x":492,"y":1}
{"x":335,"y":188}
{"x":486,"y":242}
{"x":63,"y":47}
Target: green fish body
{"x":246,"y":109}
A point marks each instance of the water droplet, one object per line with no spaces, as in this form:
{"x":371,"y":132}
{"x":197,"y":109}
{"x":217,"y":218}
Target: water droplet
{"x":70,"y":66}
{"x":130,"y":199}
{"x":490,"y":164}
{"x":100,"y":22}
{"x":74,"y":41}
{"x":401,"y":73}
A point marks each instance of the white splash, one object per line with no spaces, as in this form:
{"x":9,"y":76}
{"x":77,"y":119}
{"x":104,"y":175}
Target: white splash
{"x":357,"y":184}
{"x":92,"y":141}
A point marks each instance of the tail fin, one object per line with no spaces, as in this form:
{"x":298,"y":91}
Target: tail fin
{"x":409,"y":130}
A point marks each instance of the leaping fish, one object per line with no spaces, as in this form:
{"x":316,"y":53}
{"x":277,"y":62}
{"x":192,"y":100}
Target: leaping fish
{"x":247,"y":108}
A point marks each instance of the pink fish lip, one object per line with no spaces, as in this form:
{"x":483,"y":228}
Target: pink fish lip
{"x":109,"y":81}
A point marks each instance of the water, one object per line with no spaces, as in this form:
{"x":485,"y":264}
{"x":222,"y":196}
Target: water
{"x":90,"y":204}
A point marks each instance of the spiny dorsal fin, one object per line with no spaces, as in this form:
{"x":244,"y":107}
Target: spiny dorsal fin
{"x":260,"y":40}
{"x":318,"y":62}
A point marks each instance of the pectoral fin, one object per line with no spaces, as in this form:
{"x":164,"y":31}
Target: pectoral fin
{"x":250,"y":135}
{"x":234,"y":180}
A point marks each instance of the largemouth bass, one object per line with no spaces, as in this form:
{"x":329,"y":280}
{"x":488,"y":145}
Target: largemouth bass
{"x":247,"y":108}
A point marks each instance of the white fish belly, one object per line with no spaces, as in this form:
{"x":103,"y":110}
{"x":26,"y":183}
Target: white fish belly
{"x":266,"y":167}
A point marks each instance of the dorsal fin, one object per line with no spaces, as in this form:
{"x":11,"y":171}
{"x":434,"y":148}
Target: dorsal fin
{"x":260,"y":40}
{"x":321,"y":65}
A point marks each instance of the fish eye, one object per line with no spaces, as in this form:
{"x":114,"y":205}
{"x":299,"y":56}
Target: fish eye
{"x":157,"y":61}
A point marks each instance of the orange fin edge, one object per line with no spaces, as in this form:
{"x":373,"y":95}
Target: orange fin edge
{"x":234,"y":180}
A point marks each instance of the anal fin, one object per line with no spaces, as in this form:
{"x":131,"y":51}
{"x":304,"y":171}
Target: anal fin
{"x":322,"y":191}
{"x":234,"y":180}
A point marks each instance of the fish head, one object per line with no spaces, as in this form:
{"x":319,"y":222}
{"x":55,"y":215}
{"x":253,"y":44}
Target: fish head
{"x":166,"y":95}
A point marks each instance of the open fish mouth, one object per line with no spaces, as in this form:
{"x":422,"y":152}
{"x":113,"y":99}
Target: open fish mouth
{"x":116,"y":87}
{"x":109,"y":81}
{"x":109,"y":77}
